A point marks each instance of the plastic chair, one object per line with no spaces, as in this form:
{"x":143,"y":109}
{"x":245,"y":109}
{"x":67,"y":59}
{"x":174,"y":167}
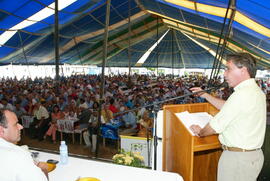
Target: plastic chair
{"x":26,"y":121}
{"x":67,"y":126}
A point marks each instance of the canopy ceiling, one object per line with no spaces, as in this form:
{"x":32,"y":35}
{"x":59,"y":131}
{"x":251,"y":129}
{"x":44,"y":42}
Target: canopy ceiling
{"x":188,"y":31}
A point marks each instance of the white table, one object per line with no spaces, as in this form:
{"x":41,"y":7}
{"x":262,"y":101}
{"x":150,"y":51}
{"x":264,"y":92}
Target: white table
{"x":104,"y":171}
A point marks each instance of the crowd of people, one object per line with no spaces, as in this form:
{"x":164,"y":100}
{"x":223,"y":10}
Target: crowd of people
{"x":78,"y":97}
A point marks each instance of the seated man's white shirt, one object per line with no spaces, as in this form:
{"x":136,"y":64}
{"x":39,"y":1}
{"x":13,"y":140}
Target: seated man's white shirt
{"x":241,"y":122}
{"x":42,"y":113}
{"x":17,"y":164}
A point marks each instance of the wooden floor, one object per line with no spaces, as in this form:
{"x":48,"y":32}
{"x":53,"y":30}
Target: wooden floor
{"x":105,"y":152}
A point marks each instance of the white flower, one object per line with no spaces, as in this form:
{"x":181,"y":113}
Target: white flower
{"x":139,"y":157}
{"x":120,"y":161}
{"x":128,"y":160}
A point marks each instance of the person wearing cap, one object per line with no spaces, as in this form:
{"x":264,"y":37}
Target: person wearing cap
{"x":240,"y":123}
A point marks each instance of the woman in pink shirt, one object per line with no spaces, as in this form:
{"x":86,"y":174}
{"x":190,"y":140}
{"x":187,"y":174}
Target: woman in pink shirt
{"x":56,"y":114}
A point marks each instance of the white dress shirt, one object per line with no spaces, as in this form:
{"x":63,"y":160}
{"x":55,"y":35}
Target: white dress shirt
{"x":17,"y":164}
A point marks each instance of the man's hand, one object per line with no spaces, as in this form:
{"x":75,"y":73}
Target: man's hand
{"x":217,"y":102}
{"x":198,"y":89}
{"x":44,"y":167}
{"x":201,"y":132}
{"x":196,"y":129}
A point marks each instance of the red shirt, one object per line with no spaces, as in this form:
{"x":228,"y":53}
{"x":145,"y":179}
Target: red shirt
{"x":113,"y":108}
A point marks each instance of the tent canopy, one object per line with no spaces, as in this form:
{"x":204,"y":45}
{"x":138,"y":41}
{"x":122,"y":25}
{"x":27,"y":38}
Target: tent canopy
{"x":188,"y":31}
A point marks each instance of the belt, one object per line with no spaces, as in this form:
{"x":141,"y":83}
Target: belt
{"x":224,"y":147}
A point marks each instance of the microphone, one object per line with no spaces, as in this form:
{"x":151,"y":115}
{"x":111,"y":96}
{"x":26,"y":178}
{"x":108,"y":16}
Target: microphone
{"x":216,"y":87}
{"x":222,"y":85}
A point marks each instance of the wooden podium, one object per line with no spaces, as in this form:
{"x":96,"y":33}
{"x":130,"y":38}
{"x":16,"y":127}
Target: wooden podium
{"x":194,"y":158}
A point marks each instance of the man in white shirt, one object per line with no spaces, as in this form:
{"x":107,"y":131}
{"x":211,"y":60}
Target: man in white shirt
{"x":241,"y":122}
{"x":17,"y":163}
{"x":41,"y":122}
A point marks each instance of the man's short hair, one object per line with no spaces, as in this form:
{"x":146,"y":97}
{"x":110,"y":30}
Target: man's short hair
{"x":3,"y":118}
{"x":244,"y":60}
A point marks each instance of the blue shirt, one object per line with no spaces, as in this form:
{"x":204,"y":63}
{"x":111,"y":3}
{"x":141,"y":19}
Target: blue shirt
{"x":130,"y":119}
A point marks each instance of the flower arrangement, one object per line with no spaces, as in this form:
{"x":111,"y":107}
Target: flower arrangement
{"x":129,"y":158}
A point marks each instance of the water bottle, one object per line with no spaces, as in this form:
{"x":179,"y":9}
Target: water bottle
{"x":63,"y":153}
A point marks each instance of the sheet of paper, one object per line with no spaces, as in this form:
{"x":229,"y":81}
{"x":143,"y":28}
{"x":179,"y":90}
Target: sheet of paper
{"x":188,"y":119}
{"x":201,"y":118}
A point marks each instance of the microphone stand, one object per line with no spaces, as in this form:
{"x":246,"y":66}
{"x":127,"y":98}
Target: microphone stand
{"x":148,"y":153}
{"x":155,"y":111}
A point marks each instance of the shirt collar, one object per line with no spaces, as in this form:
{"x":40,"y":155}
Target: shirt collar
{"x":245,"y":83}
{"x":3,"y":141}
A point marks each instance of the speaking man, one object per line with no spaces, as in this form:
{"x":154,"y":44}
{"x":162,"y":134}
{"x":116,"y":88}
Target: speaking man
{"x":240,"y":123}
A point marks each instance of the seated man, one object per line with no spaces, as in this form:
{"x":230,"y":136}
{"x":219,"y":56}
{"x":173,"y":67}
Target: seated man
{"x":130,"y":121}
{"x":146,"y":125}
{"x":19,"y":111}
{"x":91,"y":132}
{"x":83,"y":116}
{"x":18,"y":164}
{"x":41,"y":121}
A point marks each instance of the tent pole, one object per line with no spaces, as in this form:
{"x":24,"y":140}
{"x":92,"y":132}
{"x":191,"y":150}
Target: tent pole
{"x":180,"y":50}
{"x":56,"y":43}
{"x":129,"y":50}
{"x":172,"y":54}
{"x":157,"y":46}
{"x":78,"y":52}
{"x":77,"y":49}
{"x":104,"y":61}
{"x":215,"y":70}
{"x":226,"y":37}
{"x":24,"y":54}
